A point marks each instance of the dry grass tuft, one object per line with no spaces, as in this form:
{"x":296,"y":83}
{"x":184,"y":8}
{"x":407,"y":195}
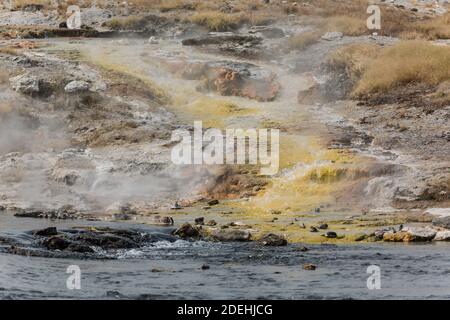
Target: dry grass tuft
{"x":218,"y":21}
{"x":303,"y":40}
{"x":432,"y":29}
{"x":22,"y":4}
{"x":353,"y":59}
{"x":406,"y":62}
{"x":128,"y":23}
{"x":349,"y":26}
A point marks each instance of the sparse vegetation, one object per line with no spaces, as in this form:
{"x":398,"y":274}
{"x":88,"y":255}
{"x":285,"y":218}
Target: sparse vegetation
{"x":372,"y":69}
{"x":22,"y":4}
{"x":349,"y":26}
{"x":303,"y":40}
{"x":437,"y":28}
{"x":353,"y":59}
{"x":406,"y":62}
{"x":217,"y":21}
{"x":128,"y":23}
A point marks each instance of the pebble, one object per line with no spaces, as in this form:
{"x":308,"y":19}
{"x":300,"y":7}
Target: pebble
{"x":309,"y":266}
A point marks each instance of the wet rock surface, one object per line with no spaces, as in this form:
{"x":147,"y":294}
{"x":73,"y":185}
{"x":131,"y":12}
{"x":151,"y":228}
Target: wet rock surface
{"x":411,"y":234}
{"x":273,"y":240}
{"x":86,"y":242}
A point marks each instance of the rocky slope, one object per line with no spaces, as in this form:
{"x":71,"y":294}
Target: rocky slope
{"x":86,"y":126}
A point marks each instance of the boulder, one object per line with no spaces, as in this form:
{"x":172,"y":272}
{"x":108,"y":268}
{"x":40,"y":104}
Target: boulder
{"x":47,"y":232}
{"x":273,"y":240}
{"x":401,"y":236}
{"x":213,"y":202}
{"x":443,"y":235}
{"x":230,"y":235}
{"x":410,"y":234}
{"x":25,"y":84}
{"x":56,"y":243}
{"x":309,"y":266}
{"x":186,"y":231}
{"x":200,"y":221}
{"x":421,"y":233}
{"x":443,"y":222}
{"x":229,"y":78}
{"x":76,"y":86}
{"x":230,"y":82}
{"x":331,"y":235}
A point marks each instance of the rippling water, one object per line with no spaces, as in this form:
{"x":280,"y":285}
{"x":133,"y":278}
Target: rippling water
{"x":237,"y":270}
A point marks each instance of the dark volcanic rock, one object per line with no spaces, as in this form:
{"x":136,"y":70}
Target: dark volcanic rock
{"x":273,"y":240}
{"x":106,"y":241}
{"x":331,"y":235}
{"x":187,"y":231}
{"x":323,"y":226}
{"x":200,"y":221}
{"x":82,"y":242}
{"x":47,"y":232}
{"x":75,"y":247}
{"x":56,"y":243}
{"x":213,"y":202}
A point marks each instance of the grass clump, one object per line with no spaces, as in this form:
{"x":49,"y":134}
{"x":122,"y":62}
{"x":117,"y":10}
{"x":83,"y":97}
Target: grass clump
{"x":23,"y":4}
{"x":303,"y":40}
{"x":128,"y":23}
{"x":349,"y":26}
{"x":353,"y":59}
{"x":406,"y":62}
{"x":432,"y":29}
{"x":372,"y":69}
{"x":218,"y":21}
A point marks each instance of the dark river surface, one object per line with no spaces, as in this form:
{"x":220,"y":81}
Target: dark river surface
{"x":166,"y":270}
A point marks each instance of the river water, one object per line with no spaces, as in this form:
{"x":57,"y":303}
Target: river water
{"x":167,"y":270}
